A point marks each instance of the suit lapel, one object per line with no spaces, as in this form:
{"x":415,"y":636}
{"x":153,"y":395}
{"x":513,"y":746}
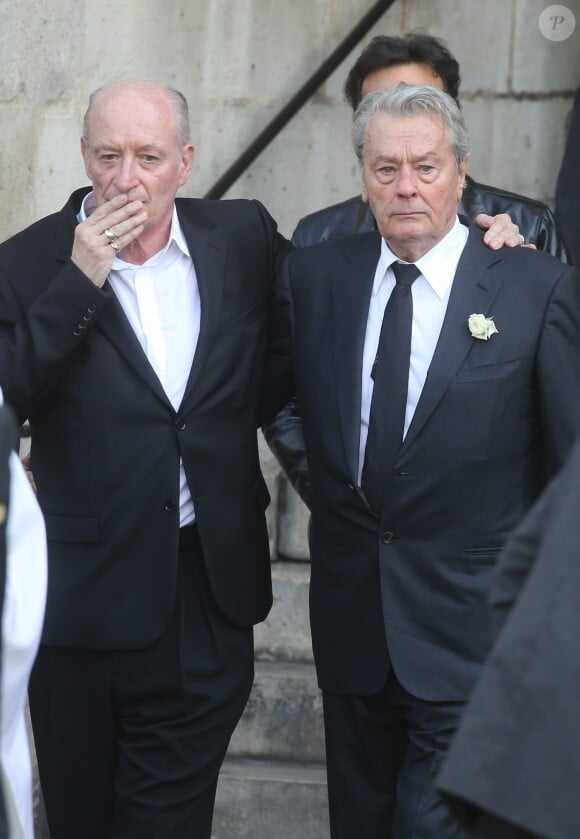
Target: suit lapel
{"x":116,"y":328}
{"x":474,"y":290}
{"x":208,"y":253}
{"x":352,"y":288}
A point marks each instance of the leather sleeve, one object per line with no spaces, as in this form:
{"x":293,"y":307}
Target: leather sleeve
{"x":534,"y":219}
{"x":285,"y":439}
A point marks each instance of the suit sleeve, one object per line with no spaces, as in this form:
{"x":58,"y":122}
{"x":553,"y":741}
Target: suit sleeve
{"x":278,"y":379}
{"x":39,"y":342}
{"x":548,"y":239}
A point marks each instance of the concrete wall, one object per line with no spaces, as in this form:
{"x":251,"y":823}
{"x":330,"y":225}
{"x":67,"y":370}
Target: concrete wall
{"x":238,"y":61}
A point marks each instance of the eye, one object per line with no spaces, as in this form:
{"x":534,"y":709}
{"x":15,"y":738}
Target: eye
{"x":426,"y":169}
{"x":150,"y":158}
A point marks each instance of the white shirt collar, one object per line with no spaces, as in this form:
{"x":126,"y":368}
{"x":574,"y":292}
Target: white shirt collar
{"x":431,"y":264}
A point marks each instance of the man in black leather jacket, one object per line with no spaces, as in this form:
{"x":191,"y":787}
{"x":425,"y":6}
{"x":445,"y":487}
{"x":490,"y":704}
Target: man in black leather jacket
{"x":416,"y":59}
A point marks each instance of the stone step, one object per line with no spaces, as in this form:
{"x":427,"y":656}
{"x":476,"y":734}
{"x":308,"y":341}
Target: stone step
{"x":264,"y":799}
{"x":285,"y":634}
{"x":283,"y":717}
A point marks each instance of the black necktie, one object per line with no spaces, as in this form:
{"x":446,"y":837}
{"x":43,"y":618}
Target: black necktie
{"x":390,"y":374}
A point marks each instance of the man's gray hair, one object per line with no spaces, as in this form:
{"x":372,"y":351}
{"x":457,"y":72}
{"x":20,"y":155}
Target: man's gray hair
{"x":412,"y":100}
{"x":176,"y":98}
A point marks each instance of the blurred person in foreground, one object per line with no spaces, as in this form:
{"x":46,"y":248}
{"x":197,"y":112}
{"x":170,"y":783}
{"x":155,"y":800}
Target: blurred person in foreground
{"x":512,"y":768}
{"x":22,"y":602}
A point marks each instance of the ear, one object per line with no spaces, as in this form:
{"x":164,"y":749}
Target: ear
{"x":86,"y":157}
{"x":461,"y":178}
{"x":187,"y":158}
{"x":365,"y":195}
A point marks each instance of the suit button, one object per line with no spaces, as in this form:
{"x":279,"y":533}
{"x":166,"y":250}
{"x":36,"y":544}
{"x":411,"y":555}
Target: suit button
{"x":387,"y":537}
{"x":179,"y":423}
{"x":169,"y":506}
{"x":92,"y":309}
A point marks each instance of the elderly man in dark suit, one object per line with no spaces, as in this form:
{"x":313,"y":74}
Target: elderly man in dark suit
{"x":439,"y":387}
{"x":133,"y":335}
{"x":415,"y":58}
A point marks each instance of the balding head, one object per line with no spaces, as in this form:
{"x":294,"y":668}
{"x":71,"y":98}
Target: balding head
{"x":142,"y":88}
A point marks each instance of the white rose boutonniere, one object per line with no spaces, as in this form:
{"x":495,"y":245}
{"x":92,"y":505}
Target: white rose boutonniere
{"x":482,"y":327}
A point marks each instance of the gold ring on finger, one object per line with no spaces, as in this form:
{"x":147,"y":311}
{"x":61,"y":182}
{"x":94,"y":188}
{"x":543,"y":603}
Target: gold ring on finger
{"x":115,"y":246}
{"x":110,"y":236}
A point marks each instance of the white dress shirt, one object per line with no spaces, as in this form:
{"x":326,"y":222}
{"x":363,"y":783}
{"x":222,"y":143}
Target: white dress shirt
{"x":430,"y":292}
{"x":22,"y":619}
{"x":161,"y":301}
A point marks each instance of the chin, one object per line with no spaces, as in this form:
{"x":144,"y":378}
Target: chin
{"x":406,"y":230}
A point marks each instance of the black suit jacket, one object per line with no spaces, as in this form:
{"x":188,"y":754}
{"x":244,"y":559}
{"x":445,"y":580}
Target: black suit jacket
{"x":107,"y":442}
{"x":568,"y":187}
{"x":516,"y":755}
{"x":494,"y":420}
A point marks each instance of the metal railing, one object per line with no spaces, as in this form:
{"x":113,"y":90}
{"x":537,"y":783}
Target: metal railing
{"x":299,"y":99}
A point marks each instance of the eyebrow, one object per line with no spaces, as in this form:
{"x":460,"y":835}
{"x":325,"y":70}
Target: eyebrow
{"x":110,"y":147}
{"x":383,"y":158}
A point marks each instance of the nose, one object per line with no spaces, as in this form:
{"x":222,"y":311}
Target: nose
{"x":406,"y":183}
{"x":126,"y":176}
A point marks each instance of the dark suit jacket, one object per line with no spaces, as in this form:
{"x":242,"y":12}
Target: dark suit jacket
{"x":107,"y":442}
{"x":495,"y":419}
{"x":517,"y":752}
{"x":568,"y":187}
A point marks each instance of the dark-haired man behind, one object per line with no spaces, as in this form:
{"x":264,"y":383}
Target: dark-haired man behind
{"x":422,"y":59}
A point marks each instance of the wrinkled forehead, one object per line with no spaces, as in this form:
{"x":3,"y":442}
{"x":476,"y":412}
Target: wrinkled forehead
{"x":131,"y":104}
{"x":387,"y":133}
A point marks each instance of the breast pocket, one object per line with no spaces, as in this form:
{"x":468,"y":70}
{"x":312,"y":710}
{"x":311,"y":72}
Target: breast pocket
{"x":488,"y":372}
